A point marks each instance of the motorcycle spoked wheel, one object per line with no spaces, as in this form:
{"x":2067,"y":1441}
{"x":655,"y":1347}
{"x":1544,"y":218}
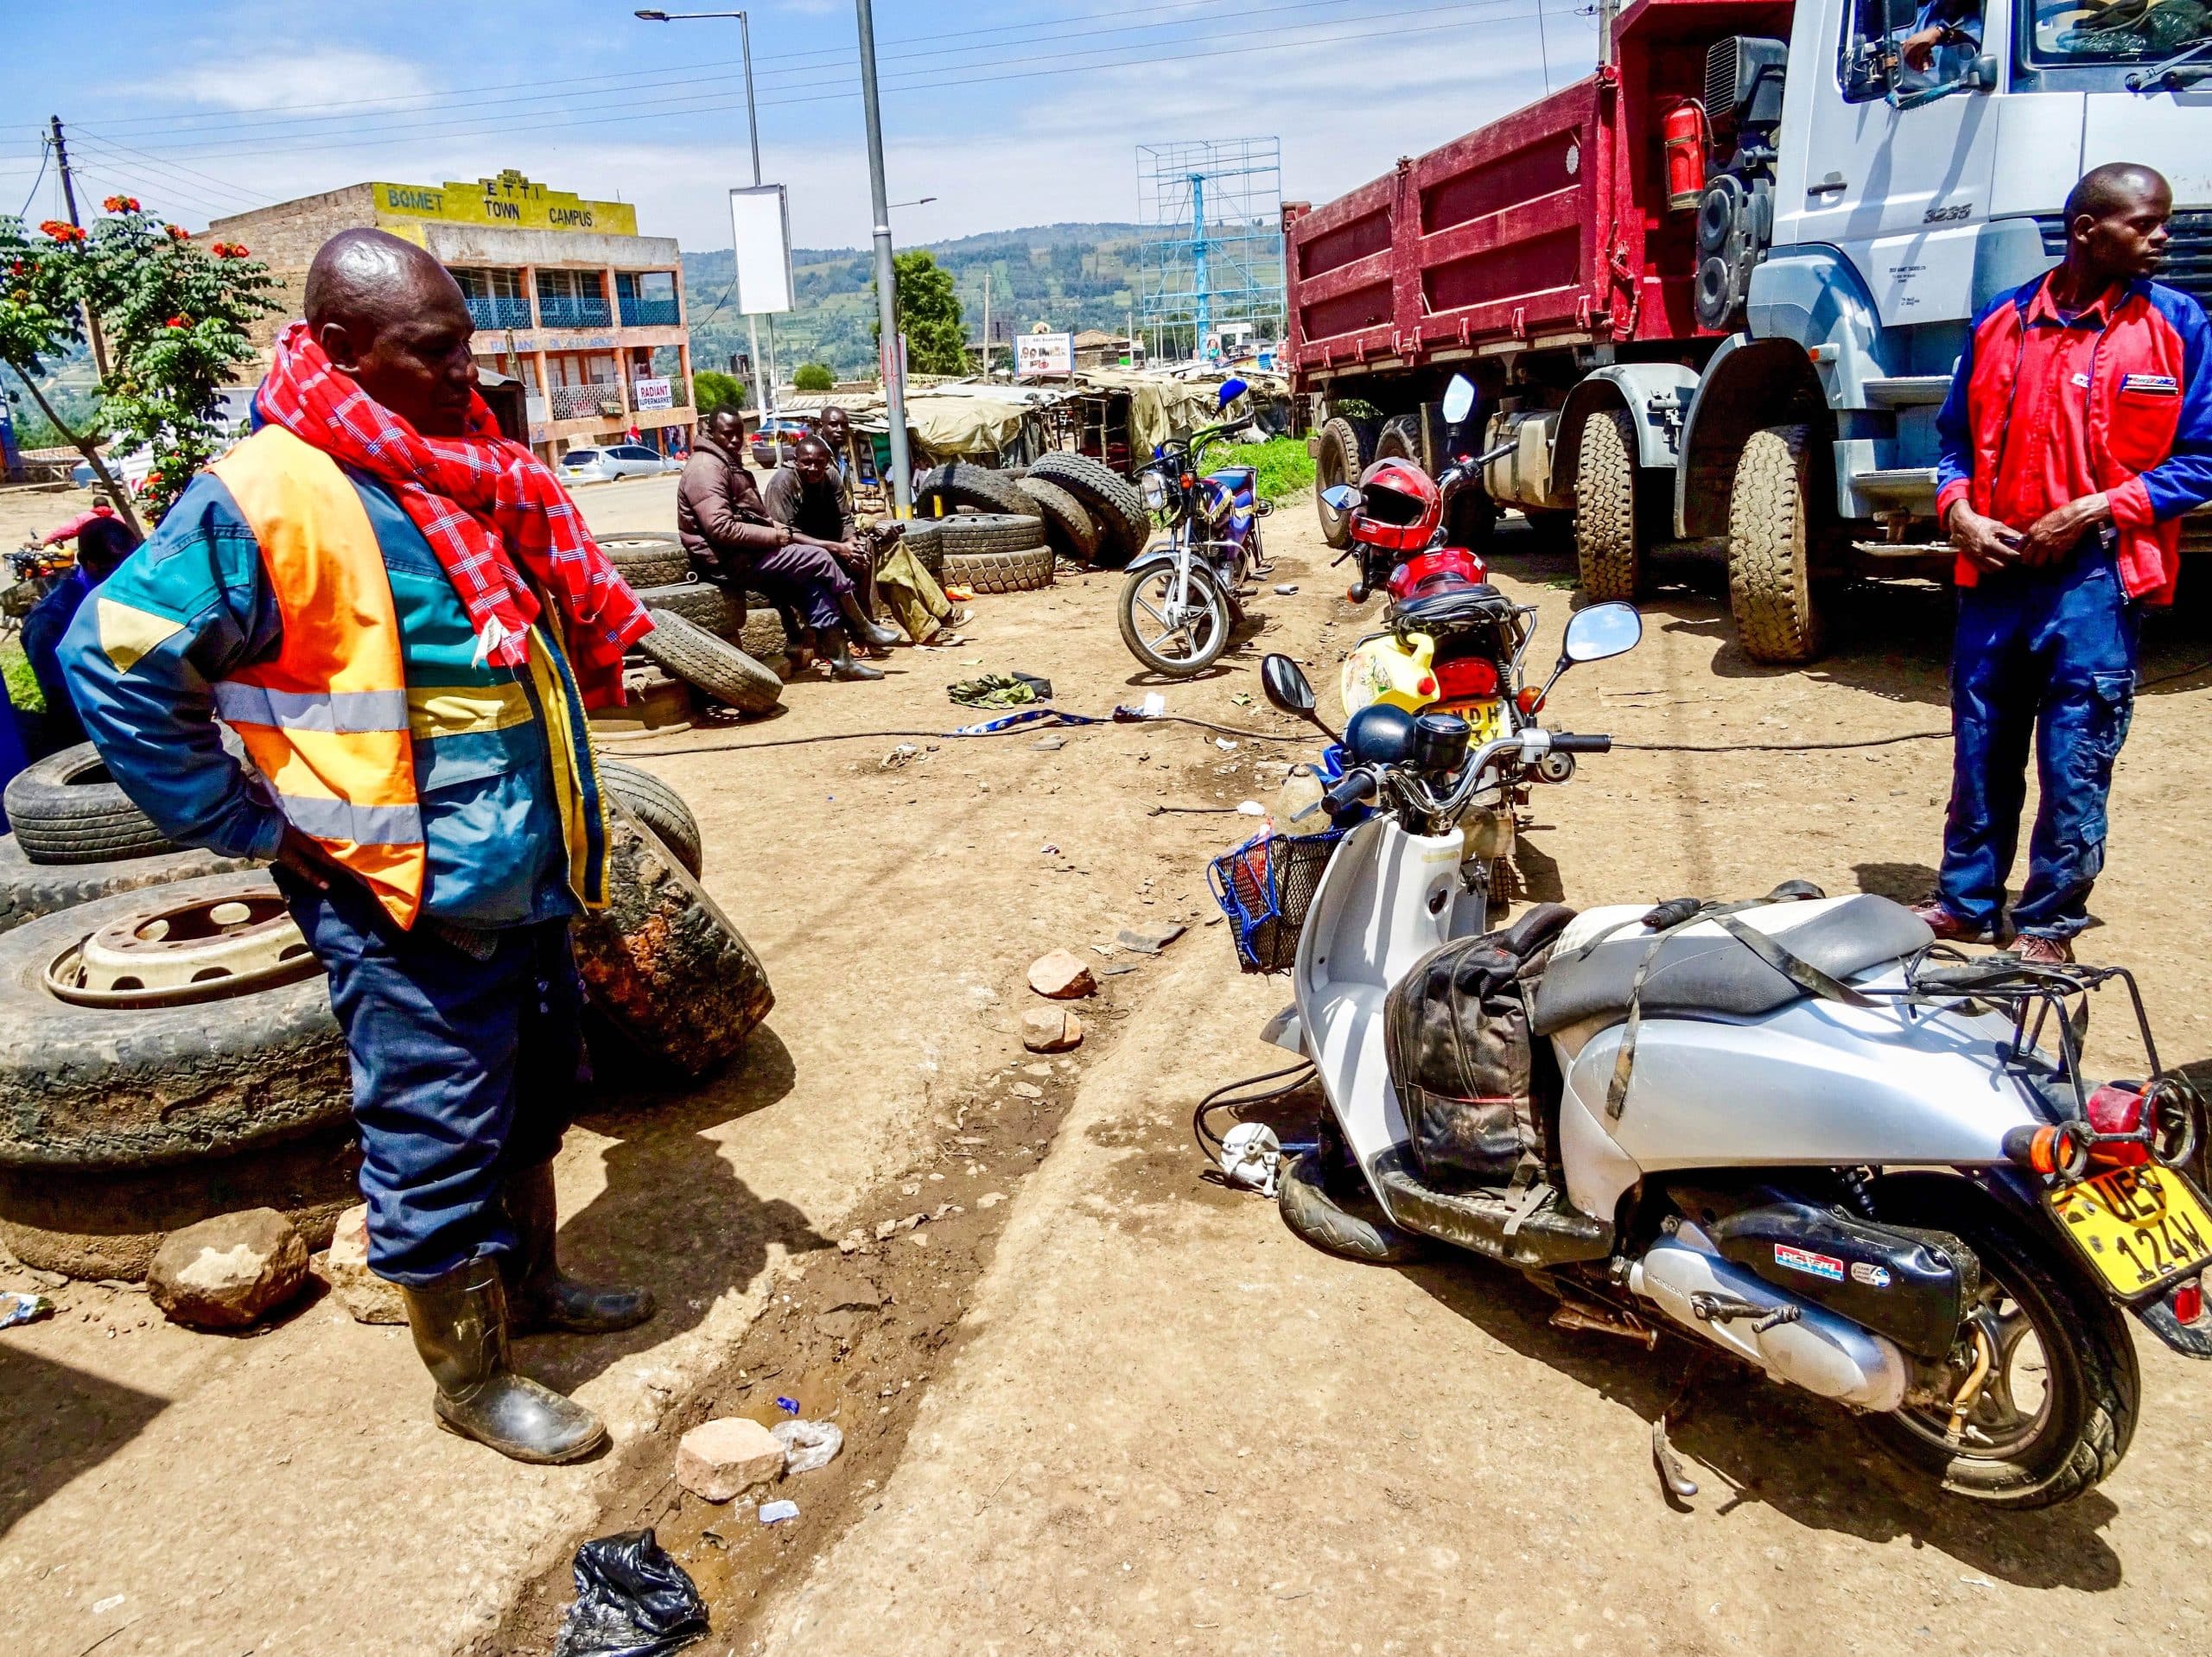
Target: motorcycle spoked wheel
{"x":2058,"y":1408}
{"x":1175,"y":640}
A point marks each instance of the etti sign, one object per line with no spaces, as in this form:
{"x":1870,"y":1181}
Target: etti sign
{"x":510,"y":200}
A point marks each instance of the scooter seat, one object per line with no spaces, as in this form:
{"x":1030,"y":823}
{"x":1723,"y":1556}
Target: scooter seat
{"x":1457,"y":605}
{"x":1702,"y":972}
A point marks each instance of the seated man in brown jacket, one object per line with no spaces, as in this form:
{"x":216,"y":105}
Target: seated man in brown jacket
{"x":732,"y":539}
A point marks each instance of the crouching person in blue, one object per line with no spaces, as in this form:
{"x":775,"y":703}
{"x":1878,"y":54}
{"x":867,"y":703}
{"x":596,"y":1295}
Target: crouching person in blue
{"x":400,"y":613}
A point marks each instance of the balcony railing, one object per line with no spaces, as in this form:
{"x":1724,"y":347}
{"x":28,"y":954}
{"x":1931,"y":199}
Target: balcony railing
{"x":557,"y":312}
{"x":641,"y":312}
{"x":499,"y":311}
{"x":586,"y":402}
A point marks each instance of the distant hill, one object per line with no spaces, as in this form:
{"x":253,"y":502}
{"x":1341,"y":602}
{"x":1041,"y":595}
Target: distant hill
{"x":1069,"y":276}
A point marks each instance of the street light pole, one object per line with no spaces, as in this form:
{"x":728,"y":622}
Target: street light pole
{"x":765,"y":393}
{"x":887,"y":295}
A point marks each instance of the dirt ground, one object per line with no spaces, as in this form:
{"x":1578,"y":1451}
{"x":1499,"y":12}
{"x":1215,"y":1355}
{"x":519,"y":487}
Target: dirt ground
{"x":1095,"y":1401}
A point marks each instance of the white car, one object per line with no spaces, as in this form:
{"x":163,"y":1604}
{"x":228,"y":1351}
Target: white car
{"x":616,"y":460}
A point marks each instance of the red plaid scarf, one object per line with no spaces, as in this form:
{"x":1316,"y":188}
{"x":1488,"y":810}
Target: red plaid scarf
{"x":483,"y":502}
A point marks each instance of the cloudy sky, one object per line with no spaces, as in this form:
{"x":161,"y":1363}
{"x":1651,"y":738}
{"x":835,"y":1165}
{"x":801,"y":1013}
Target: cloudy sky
{"x":1010,"y":115}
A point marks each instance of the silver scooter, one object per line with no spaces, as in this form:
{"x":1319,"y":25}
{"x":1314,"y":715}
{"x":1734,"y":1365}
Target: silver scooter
{"x":1799,"y":1130}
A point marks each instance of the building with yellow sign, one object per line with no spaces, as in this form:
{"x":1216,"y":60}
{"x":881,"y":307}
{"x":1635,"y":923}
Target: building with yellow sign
{"x":567,"y":298}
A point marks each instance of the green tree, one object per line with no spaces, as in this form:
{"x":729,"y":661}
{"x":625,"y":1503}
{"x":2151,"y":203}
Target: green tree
{"x":712,"y":390}
{"x":174,"y":315}
{"x":929,"y":316}
{"x":813,"y":377}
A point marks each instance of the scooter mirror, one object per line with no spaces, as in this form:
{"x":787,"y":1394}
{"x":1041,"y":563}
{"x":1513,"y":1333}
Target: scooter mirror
{"x":1232,"y":389}
{"x":1287,"y":689}
{"x":1458,"y":400}
{"x":1603,"y":630}
{"x":1340,"y":497}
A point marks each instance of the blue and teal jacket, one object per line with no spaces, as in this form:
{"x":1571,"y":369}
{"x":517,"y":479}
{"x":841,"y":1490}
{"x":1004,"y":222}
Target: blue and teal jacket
{"x":194,"y":605}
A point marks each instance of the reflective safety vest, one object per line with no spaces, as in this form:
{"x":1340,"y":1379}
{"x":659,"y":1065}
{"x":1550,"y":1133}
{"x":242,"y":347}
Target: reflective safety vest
{"x":325,"y":722}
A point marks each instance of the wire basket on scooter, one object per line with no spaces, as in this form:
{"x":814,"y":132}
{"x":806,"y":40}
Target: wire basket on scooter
{"x":1265,"y":887}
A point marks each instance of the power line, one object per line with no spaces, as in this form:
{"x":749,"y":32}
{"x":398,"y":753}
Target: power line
{"x":31,"y":194}
{"x":102,"y":144}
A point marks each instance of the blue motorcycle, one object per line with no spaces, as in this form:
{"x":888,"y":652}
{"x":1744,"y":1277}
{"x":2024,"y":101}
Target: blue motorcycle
{"x":1184,"y":597}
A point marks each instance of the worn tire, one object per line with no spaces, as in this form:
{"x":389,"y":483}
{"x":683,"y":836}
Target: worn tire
{"x":926,"y":541}
{"x":2092,"y":1387}
{"x":29,"y":890}
{"x":647,"y":558}
{"x":65,"y":809}
{"x":960,"y":487}
{"x":1070,"y":529}
{"x":1341,"y":456}
{"x":1774,"y":524}
{"x":657,"y":806}
{"x":1607,"y":559}
{"x":1401,"y":440}
{"x":1113,"y":502}
{"x":117,"y":1088}
{"x":703,"y":604}
{"x":1021,"y":571}
{"x":662,"y":963}
{"x":971,"y":534}
{"x":710,"y":665}
{"x":1354,"y":1230}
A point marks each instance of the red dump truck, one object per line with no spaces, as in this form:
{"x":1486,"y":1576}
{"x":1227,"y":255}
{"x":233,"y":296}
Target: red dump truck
{"x":1711,"y":294}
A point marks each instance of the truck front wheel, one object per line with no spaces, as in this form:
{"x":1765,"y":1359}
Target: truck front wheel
{"x":1607,"y":560}
{"x":1773,"y":526}
{"x":1341,"y":456}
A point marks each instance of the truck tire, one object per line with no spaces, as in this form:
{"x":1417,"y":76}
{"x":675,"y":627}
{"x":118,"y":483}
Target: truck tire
{"x":926,"y":541}
{"x":1401,"y":440}
{"x":141,"y":1087}
{"x":29,"y":890}
{"x":960,"y":487}
{"x":1342,"y":455}
{"x":720,"y":670}
{"x":1124,"y":526}
{"x":1774,"y":522}
{"x":1022,"y":571}
{"x":972,"y":534}
{"x":662,"y":962}
{"x":66,"y":808}
{"x":1070,"y":529}
{"x":703,"y":604}
{"x":657,"y":806}
{"x":647,"y":558}
{"x":1607,"y":558}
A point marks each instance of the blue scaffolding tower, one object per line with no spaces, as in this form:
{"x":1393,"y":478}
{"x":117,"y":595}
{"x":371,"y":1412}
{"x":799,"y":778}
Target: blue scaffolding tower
{"x":1211,"y":263}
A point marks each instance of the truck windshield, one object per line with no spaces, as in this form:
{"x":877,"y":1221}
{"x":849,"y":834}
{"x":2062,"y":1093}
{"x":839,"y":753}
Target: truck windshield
{"x":2055,"y":33}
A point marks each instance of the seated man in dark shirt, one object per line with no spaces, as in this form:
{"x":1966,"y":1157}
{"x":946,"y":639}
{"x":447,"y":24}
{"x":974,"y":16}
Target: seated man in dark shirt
{"x":806,"y":493}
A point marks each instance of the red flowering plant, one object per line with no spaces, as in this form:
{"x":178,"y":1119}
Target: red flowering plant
{"x":173,"y":314}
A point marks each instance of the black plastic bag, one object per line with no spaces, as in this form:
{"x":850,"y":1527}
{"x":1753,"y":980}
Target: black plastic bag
{"x":632,"y":1600}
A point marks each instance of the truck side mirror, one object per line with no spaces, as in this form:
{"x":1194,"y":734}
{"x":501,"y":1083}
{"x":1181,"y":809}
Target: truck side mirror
{"x":1981,"y":74}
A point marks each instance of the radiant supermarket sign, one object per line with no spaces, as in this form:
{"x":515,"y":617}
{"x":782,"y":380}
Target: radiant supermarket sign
{"x":510,"y":200}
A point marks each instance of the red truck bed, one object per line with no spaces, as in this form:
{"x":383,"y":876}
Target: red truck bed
{"x":1549,"y":225}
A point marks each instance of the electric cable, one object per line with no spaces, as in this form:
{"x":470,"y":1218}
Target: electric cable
{"x":940,"y":736}
{"x":1208,"y":1141}
{"x":45,"y":153}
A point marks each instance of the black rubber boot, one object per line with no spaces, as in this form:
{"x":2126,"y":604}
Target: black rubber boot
{"x":863,"y":626}
{"x":459,"y":1324}
{"x":540,"y":1297}
{"x":839,"y":655}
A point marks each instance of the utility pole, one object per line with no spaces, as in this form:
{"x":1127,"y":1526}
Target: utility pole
{"x":987,"y":322}
{"x":1606,"y":10}
{"x":69,"y":200}
{"x":887,"y":293}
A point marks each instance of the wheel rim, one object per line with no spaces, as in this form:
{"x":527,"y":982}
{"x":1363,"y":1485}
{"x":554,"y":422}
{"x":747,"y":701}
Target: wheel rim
{"x":231,"y":942}
{"x":1171,"y":631}
{"x":2015,"y":1404}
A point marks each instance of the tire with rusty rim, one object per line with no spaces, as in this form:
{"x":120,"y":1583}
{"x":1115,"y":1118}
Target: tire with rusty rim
{"x":121,"y":1087}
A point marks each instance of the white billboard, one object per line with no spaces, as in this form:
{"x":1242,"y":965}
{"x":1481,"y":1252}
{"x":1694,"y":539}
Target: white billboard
{"x":761,"y":229}
{"x":1044,"y":353}
{"x":655,"y":393}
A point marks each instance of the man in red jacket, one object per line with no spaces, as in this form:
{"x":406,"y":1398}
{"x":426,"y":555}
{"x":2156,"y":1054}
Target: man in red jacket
{"x":2077,"y":432}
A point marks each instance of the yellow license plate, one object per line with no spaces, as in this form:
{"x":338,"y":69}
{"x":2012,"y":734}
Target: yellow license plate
{"x":1485,"y":720}
{"x":2141,"y":1227}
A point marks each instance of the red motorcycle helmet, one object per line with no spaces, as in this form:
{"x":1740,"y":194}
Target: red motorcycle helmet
{"x":1398,"y":507}
{"x":1445,"y":564}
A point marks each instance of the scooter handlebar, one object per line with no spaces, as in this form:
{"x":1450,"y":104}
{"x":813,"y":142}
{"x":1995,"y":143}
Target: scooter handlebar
{"x":1355,"y":790}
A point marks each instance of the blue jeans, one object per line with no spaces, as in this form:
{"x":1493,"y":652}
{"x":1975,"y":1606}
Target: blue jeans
{"x":464,"y":1070}
{"x":2048,"y":654}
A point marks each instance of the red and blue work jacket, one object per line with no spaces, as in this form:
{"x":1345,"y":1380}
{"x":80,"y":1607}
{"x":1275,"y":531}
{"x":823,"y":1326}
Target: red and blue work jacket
{"x":2046,"y":408}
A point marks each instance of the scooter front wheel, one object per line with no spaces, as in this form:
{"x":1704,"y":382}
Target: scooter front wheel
{"x":1176,"y":638}
{"x":1355,"y":1229}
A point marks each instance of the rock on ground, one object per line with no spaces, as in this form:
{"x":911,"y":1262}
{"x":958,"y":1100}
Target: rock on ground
{"x":228,"y":1272}
{"x":1060,"y":976}
{"x":1051,"y":1030}
{"x":723,"y":1459}
{"x":345,"y":1269}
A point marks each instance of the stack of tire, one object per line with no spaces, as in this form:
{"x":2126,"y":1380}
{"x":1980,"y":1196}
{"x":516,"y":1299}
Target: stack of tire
{"x":994,"y":531}
{"x":124,"y":1117}
{"x":699,"y":626}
